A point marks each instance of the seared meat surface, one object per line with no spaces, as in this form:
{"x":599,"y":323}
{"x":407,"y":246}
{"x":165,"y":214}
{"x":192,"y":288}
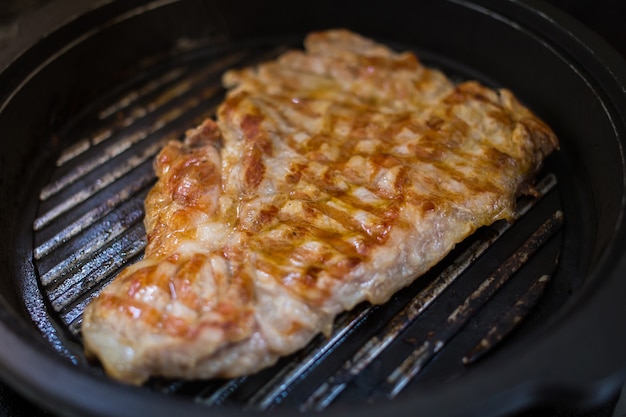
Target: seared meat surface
{"x":332,"y":176}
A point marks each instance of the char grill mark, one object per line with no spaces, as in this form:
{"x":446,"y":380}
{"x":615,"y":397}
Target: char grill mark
{"x":257,"y":146}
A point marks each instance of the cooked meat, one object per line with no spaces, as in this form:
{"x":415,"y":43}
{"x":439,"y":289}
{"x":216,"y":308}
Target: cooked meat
{"x":332,"y":176}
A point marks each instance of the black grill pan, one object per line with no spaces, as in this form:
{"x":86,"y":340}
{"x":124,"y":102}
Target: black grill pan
{"x":521,"y":315}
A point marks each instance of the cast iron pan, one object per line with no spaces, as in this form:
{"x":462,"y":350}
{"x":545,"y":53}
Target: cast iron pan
{"x":80,"y":58}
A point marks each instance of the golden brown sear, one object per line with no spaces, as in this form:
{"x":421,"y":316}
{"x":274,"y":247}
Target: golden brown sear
{"x":332,"y":176}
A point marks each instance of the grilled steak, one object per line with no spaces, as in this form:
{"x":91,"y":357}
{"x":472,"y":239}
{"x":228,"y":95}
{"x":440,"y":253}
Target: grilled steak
{"x":332,"y":176}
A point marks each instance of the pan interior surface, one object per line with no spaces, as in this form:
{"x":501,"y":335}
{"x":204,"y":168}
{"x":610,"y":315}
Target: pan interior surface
{"x":83,"y":162}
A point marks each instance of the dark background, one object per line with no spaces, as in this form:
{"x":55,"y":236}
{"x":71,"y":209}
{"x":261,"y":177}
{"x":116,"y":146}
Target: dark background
{"x":605,"y":17}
